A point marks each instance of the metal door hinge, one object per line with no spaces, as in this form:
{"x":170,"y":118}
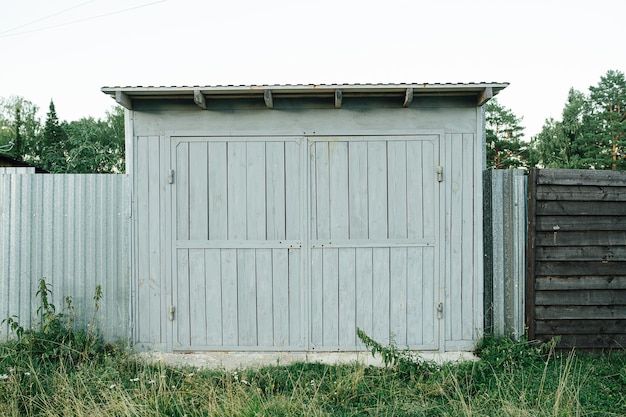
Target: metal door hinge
{"x":170,"y":177}
{"x":439,"y":173}
{"x":172,"y":312}
{"x":440,"y":310}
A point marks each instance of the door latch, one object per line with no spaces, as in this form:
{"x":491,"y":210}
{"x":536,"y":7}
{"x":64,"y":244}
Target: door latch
{"x":440,"y":310}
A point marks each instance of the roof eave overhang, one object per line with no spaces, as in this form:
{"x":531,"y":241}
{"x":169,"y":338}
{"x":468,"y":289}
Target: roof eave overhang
{"x":482,"y":92}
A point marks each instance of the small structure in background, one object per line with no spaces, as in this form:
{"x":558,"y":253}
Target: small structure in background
{"x":9,"y":165}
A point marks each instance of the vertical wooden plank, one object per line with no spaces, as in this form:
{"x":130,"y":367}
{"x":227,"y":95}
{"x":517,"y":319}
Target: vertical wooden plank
{"x":455,"y":320}
{"x":264,"y":297}
{"x":377,"y":189}
{"x":198,"y":191}
{"x":275,"y":173}
{"x":530,"y":254}
{"x":330,"y":297}
{"x":416,"y":218}
{"x":293,"y":176}
{"x":429,"y":188}
{"x":296,"y":328}
{"x":347,"y":298}
{"x":364,"y":290}
{"x":429,"y":299}
{"x":237,"y":191}
{"x":398,"y":295}
{"x":357,"y":190}
{"x":338,"y":189}
{"x":165,"y":238}
{"x":230,"y":308}
{"x":280,"y":293}
{"x":183,"y":324}
{"x":397,"y":193}
{"x":468,"y":250}
{"x":416,"y":292}
{"x":213,"y":296}
{"x":380,"y":325}
{"x":142,"y":241}
{"x":255,"y":197}
{"x":317,"y":307}
{"x":197,"y":298}
{"x":182,"y":191}
{"x":322,"y":188}
{"x":247,"y":297}
{"x":218,"y":191}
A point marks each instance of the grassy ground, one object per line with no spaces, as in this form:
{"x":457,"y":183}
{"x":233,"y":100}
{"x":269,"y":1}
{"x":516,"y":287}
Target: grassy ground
{"x":71,"y":378}
{"x":57,"y":370}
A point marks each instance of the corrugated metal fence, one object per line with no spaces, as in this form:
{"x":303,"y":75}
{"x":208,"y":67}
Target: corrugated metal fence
{"x":74,"y":231}
{"x":505,"y":250}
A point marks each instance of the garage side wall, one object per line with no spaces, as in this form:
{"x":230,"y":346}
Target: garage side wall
{"x":460,"y":240}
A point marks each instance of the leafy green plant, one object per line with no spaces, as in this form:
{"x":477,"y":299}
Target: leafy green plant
{"x":403,"y":360}
{"x":56,"y":339}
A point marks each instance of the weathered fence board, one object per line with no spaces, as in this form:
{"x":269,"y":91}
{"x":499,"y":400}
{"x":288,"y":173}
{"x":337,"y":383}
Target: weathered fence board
{"x":576,"y":280}
{"x":72,"y":230}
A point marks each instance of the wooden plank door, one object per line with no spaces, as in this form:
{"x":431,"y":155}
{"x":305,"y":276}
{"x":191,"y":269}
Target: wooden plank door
{"x":373,"y":225}
{"x":237,"y":257}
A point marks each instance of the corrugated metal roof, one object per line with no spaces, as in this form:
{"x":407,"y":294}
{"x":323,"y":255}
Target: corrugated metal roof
{"x":483,"y":91}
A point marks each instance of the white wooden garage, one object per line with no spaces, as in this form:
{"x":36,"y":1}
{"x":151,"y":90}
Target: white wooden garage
{"x":283,"y":217}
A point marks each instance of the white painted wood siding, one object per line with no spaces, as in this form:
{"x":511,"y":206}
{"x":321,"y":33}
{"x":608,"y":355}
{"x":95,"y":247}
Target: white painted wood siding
{"x":458,"y":258}
{"x":238,"y":227}
{"x":463,"y":301}
{"x":374,"y":216}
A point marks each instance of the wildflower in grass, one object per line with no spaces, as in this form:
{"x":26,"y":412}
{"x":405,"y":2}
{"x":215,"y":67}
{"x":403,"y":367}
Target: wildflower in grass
{"x":111,"y":386}
{"x":190,"y":375}
{"x":134,"y":380}
{"x":27,"y":373}
{"x":151,"y":382}
{"x":4,"y":376}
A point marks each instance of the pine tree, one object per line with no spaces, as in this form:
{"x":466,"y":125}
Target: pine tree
{"x":54,"y":143}
{"x":606,"y":120}
{"x":505,"y":147}
{"x":562,"y":144}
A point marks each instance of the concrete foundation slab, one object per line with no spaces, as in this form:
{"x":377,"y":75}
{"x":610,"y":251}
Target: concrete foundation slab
{"x":243,"y":360}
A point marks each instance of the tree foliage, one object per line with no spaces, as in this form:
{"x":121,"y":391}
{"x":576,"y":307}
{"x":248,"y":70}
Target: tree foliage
{"x":19,"y":124}
{"x":562,"y":144}
{"x":87,"y":145}
{"x":53,"y":144}
{"x":592,"y":131}
{"x":504,"y":132}
{"x":96,"y":145}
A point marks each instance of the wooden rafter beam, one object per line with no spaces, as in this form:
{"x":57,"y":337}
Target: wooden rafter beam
{"x":199,"y":99}
{"x":485,"y":96}
{"x":338,"y":98}
{"x":123,"y":100}
{"x":408,"y":97}
{"x":269,"y":101}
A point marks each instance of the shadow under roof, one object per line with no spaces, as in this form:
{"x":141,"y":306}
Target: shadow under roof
{"x":405,"y":92}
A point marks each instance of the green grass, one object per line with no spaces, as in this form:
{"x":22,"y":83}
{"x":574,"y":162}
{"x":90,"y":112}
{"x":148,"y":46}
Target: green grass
{"x":59,"y":369}
{"x":512,"y":379}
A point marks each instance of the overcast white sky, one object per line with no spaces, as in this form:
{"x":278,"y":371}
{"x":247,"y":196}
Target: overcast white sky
{"x":66,"y":50}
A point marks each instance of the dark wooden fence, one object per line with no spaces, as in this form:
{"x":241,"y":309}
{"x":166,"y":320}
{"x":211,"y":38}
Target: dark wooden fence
{"x":576,"y":280}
